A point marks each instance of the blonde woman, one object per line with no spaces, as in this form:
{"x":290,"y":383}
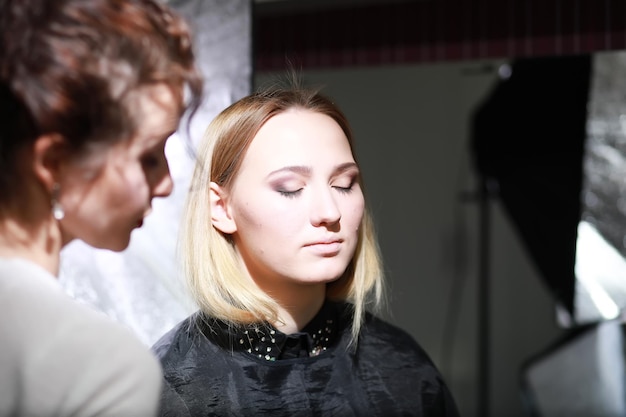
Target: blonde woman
{"x":280,"y":254}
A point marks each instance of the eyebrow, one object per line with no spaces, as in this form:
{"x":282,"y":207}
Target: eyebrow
{"x":305,"y":170}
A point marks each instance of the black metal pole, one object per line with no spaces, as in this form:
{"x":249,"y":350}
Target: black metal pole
{"x":483,"y":307}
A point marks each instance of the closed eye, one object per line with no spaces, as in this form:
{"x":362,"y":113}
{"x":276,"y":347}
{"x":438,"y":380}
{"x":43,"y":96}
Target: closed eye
{"x":344,"y":190}
{"x":290,"y":194}
{"x":345,"y":185}
{"x":154,"y":157}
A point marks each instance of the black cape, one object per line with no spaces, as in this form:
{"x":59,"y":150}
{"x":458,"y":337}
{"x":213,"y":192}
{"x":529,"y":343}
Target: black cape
{"x":211,"y":369}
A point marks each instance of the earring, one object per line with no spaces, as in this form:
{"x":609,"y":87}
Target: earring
{"x":57,"y":210}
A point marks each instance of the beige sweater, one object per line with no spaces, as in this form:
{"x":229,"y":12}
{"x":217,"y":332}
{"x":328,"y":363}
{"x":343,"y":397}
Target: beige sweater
{"x":61,"y":358}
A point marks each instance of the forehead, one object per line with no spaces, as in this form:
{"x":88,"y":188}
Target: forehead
{"x":299,"y":137}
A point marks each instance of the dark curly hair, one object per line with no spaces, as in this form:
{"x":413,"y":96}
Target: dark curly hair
{"x":69,"y":67}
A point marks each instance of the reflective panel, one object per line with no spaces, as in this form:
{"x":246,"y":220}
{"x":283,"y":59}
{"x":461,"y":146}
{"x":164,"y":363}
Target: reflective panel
{"x":601,"y":241}
{"x":580,"y":376}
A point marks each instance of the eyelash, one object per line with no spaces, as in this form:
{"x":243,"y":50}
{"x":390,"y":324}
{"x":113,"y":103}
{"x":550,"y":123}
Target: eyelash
{"x":344,"y":190}
{"x":294,"y":194}
{"x":290,"y":194}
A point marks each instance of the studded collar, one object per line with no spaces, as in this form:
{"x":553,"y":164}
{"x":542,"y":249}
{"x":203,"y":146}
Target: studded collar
{"x":268,"y":343}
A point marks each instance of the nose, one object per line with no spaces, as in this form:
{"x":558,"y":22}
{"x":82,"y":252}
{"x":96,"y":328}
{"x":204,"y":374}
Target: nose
{"x":324,"y":208}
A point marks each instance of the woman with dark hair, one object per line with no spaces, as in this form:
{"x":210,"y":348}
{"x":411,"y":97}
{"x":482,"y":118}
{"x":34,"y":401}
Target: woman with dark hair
{"x":280,"y":255}
{"x":90,"y":90}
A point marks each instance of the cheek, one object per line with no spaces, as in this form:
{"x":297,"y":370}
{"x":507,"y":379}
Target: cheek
{"x":267,"y":218}
{"x":129,"y":184}
{"x":354,"y":210}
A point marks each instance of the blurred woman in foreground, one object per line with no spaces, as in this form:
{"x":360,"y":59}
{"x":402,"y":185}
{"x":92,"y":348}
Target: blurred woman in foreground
{"x":90,"y":90}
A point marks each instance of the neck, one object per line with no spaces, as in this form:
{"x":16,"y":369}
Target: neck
{"x":298,"y":305}
{"x":39,"y":243}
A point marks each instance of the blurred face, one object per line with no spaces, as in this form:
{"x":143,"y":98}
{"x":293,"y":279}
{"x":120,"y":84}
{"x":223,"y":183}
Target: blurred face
{"x":296,"y":201}
{"x":106,"y":197}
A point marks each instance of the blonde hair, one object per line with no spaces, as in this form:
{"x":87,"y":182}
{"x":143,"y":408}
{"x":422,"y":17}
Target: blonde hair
{"x":213,"y":270}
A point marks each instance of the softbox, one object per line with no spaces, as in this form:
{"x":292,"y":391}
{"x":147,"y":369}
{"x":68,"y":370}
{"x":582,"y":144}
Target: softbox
{"x":528,"y":138}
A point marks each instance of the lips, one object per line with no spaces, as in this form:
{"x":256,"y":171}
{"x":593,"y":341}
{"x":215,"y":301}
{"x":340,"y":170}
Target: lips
{"x":326,"y":247}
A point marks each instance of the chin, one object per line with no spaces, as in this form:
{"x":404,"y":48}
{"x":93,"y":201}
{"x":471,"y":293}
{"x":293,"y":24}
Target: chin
{"x":119,"y":248}
{"x":114,"y":246}
{"x":324,"y":278}
{"x":333,"y":273}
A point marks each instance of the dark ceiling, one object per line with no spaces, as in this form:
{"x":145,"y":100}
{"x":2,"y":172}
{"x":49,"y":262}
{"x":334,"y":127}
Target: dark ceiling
{"x":339,"y":33}
{"x":279,"y":7}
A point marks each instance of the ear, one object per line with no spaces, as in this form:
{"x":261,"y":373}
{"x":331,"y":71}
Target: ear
{"x":221,"y":217}
{"x":49,"y":153}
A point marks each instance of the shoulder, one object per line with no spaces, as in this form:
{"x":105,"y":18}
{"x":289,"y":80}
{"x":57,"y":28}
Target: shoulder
{"x":188,"y":358}
{"x":380,"y":331}
{"x":382,"y":340}
{"x":390,"y":354}
{"x":384,"y":328}
{"x":176,"y":342}
{"x":72,"y":352}
{"x":394,"y":347}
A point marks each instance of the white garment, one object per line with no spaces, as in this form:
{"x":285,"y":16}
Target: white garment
{"x":61,"y":358}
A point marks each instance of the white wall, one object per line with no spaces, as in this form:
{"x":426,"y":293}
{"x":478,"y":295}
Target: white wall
{"x":412,"y":139}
